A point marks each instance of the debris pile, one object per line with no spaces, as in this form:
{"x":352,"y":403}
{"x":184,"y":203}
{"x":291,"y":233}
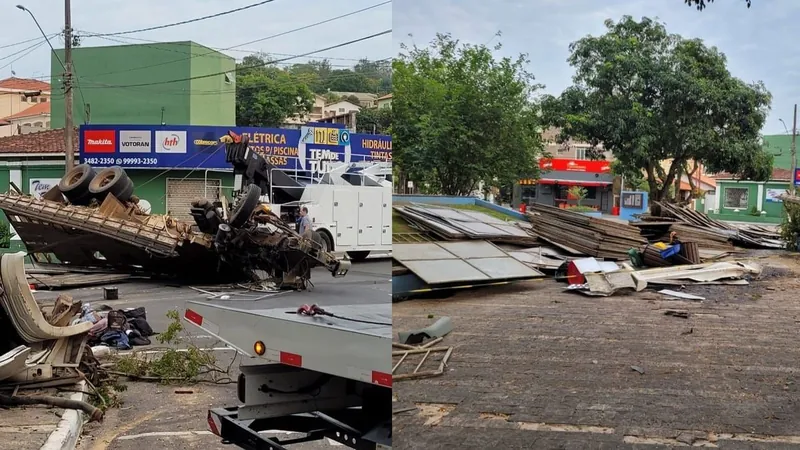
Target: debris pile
{"x":412,"y":345}
{"x":452,"y":224}
{"x":581,"y":234}
{"x":708,"y":233}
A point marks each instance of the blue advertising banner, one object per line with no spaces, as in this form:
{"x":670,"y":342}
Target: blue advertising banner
{"x":199,"y":147}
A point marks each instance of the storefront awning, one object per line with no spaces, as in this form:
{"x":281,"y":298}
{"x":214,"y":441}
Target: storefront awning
{"x":575,"y":183}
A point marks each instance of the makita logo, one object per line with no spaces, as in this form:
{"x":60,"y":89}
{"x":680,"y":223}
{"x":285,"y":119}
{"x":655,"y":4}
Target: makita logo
{"x":99,"y":142}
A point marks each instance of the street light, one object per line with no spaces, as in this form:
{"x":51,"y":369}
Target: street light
{"x":69,"y":131}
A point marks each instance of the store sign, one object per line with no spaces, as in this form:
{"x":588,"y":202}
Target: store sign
{"x":632,"y":200}
{"x":774,"y":195}
{"x":135,"y":141}
{"x":99,"y":141}
{"x":797,"y":177}
{"x":39,"y":186}
{"x":575,"y":165}
{"x":171,"y":142}
{"x":310,"y":149}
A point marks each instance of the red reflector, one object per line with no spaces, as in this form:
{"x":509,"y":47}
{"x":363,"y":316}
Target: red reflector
{"x":32,"y":287}
{"x":211,"y":425}
{"x":382,"y":379}
{"x":290,"y":359}
{"x":193,"y":317}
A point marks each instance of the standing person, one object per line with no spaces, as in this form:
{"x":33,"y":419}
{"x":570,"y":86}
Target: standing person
{"x":305,"y":221}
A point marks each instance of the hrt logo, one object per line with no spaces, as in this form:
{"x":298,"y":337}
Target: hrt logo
{"x":171,"y":141}
{"x":99,"y":141}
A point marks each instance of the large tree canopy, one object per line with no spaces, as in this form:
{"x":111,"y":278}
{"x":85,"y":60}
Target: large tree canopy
{"x":267,"y":95}
{"x":701,"y":4}
{"x":651,"y":97}
{"x":462,"y":117}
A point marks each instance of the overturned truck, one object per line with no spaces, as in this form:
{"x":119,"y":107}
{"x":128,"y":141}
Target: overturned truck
{"x":92,"y":218}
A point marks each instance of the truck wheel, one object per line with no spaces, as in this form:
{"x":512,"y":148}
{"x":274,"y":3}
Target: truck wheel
{"x":248,"y":201}
{"x":358,"y":255}
{"x":112,"y":180}
{"x":75,"y":184}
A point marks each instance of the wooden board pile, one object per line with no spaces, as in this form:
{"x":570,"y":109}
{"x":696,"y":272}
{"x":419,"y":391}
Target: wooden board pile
{"x":579,"y":233}
{"x":715,"y":234}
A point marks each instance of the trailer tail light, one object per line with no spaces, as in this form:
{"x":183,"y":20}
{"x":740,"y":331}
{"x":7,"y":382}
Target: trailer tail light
{"x":214,"y":424}
{"x":381,"y":379}
{"x":259,"y":348}
{"x":291,"y":359}
{"x":193,"y":317}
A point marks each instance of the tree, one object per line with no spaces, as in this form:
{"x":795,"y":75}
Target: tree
{"x":374,"y":120}
{"x":463,"y":117}
{"x":654,"y":99}
{"x":352,"y":99}
{"x":702,"y":4}
{"x":267,"y":95}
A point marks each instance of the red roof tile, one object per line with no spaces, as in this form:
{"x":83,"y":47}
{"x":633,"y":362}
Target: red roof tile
{"x":777,"y":174}
{"x":35,"y":110}
{"x":385,"y":97}
{"x":48,"y":141}
{"x":24,"y":84}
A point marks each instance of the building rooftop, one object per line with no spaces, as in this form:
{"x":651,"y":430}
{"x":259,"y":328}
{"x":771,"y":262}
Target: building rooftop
{"x":778,"y":174}
{"x":43,"y":142}
{"x":24,"y":84}
{"x":38,"y":109}
{"x":385,"y":97}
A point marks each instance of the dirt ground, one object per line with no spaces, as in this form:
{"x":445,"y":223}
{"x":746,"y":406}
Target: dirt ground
{"x":537,"y":367}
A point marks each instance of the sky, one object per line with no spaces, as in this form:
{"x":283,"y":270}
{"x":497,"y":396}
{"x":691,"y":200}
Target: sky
{"x":761,"y":43}
{"x":106,"y":16}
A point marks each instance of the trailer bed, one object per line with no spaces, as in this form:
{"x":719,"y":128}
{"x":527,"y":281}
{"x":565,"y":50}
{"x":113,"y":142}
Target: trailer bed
{"x":356,"y":346}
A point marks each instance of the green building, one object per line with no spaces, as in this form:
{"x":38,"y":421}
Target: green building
{"x":752,"y":201}
{"x":148,"y":84}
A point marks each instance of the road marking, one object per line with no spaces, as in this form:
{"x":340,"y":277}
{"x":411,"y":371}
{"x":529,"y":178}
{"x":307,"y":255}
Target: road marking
{"x":203,"y":433}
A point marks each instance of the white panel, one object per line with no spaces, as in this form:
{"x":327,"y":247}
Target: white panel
{"x":345,"y":214}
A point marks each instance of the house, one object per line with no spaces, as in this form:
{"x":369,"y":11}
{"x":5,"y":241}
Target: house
{"x":18,"y":95}
{"x":569,"y":149}
{"x":365,"y":100}
{"x":31,"y":120}
{"x":384,"y":102}
{"x":339,"y":108}
{"x":315,"y":115}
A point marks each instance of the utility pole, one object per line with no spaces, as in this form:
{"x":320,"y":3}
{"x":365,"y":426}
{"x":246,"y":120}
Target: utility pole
{"x":69,"y":130}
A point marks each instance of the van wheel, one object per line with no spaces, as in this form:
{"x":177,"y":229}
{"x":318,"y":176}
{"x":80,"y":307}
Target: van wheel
{"x":326,"y":241}
{"x":357,"y":256}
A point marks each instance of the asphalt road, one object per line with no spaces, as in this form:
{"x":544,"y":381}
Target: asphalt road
{"x":155,"y":415}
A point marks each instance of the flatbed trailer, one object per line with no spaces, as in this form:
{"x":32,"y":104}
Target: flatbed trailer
{"x":320,"y":375}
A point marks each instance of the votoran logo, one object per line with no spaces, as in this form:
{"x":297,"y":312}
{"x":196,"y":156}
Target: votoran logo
{"x":170,"y":141}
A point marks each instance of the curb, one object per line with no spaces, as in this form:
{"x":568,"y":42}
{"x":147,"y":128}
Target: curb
{"x":66,"y":434}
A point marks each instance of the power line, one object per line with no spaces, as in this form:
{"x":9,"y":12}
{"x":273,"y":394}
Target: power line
{"x":25,"y":41}
{"x":32,"y":48}
{"x":215,"y":51}
{"x":343,"y":44}
{"x":184,"y":22}
{"x":41,"y":41}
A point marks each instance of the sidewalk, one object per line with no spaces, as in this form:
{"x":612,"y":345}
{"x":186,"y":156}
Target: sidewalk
{"x":42,"y":427}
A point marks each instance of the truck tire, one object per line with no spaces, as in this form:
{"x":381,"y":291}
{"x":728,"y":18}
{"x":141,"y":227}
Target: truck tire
{"x":248,"y":201}
{"x":75,"y":184}
{"x":357,"y":256}
{"x":325,"y":241}
{"x":112,"y":180}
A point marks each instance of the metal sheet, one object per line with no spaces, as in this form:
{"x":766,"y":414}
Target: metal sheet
{"x":479,"y":228}
{"x":504,"y":268}
{"x":472,"y":249}
{"x":446,"y":271}
{"x":422,"y":251}
{"x":482,"y":217}
{"x":446,"y":213}
{"x":512,"y":229}
{"x":536,"y":259}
